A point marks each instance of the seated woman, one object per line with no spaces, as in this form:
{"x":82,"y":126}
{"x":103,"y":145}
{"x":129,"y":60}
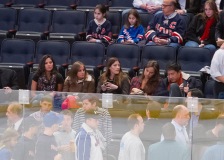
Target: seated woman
{"x":149,"y":83}
{"x":47,"y":78}
{"x":113,"y":80}
{"x":78,"y":80}
{"x":201,"y":31}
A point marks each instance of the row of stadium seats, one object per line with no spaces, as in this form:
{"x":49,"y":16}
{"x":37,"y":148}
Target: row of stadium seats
{"x":131,"y":56}
{"x":66,"y":4}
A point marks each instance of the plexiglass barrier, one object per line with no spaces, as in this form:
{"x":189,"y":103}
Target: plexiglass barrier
{"x":70,"y":126}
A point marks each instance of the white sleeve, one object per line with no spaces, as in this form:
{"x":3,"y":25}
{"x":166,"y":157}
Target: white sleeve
{"x":137,"y":3}
{"x":217,"y":64}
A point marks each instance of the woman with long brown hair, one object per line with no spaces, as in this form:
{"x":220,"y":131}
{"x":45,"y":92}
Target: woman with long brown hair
{"x":78,"y":80}
{"x":113,"y":80}
{"x":149,"y":83}
{"x":201,"y":31}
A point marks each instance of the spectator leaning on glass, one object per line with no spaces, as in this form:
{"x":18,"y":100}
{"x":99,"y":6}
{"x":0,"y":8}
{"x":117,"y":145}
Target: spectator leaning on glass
{"x":166,"y":28}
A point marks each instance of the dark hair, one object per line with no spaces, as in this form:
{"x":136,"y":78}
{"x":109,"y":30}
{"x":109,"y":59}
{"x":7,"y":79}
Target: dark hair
{"x":102,"y":8}
{"x":117,"y":78}
{"x":176,"y":4}
{"x":91,"y":98}
{"x":41,"y":68}
{"x":133,"y":120}
{"x":168,"y":131}
{"x":173,"y":66}
{"x":153,"y":82}
{"x":213,"y":6}
{"x":75,"y":69}
{"x":91,"y":113}
{"x":135,"y":13}
{"x":154,"y":108}
{"x":195,"y":92}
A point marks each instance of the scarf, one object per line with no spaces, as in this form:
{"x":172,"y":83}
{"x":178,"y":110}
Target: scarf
{"x":208,"y":25}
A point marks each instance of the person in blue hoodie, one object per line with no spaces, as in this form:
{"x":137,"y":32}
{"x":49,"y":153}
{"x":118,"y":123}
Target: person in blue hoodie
{"x":132,"y":31}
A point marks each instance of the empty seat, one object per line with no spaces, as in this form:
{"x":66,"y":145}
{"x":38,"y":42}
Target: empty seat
{"x":89,"y":4}
{"x":8,"y":17}
{"x":67,"y":28}
{"x":119,"y":5}
{"x":60,"y":4}
{"x":128,"y":55}
{"x":33,"y":23}
{"x":18,"y":54}
{"x":193,"y":58}
{"x":21,"y":4}
{"x":162,"y":54}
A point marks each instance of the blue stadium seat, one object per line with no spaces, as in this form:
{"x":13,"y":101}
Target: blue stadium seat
{"x":4,"y":3}
{"x":162,"y":54}
{"x":18,"y":55}
{"x":67,"y":28}
{"x":60,"y":4}
{"x":33,"y":23}
{"x":87,"y":5}
{"x":118,"y":5}
{"x":8,"y":18}
{"x":21,"y":4}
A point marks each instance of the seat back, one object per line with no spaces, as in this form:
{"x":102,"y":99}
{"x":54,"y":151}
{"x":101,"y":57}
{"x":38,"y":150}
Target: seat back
{"x":90,"y":3}
{"x":123,"y":3}
{"x":3,"y":2}
{"x":128,"y":54}
{"x":193,"y":58}
{"x":17,"y":51}
{"x":59,"y":50}
{"x":113,"y":16}
{"x":8,"y":17}
{"x":74,"y":24}
{"x":91,"y":54}
{"x":162,"y":54}
{"x":34,"y":20}
{"x":59,"y":2}
{"x":27,"y":2}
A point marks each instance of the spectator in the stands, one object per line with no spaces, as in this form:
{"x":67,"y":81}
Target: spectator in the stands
{"x":113,"y":80}
{"x":132,"y":31}
{"x":78,"y":80}
{"x":146,"y":6}
{"x":166,"y":28}
{"x":8,"y":80}
{"x":201,"y":31}
{"x":99,"y":29}
{"x":219,"y":32}
{"x":149,"y":83}
{"x":47,"y":78}
{"x":217,"y":73}
{"x":177,"y":82}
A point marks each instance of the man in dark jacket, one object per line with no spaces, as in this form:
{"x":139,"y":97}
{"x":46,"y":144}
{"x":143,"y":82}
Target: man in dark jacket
{"x":177,"y":82}
{"x":8,"y":79}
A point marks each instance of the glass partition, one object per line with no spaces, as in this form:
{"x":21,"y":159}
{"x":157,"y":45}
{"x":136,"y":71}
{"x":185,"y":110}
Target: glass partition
{"x":182,"y":127}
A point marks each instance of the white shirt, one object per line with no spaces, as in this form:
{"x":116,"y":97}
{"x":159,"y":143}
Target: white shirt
{"x":131,"y":148}
{"x":181,"y":133}
{"x":138,"y":3}
{"x":182,"y":4}
{"x":17,"y":124}
{"x":217,"y":64}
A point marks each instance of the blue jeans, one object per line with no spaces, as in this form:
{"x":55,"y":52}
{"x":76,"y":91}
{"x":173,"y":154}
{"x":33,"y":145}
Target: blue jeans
{"x":211,"y":47}
{"x":175,"y":45}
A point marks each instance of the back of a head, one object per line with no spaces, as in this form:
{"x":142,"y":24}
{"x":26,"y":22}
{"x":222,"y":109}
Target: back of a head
{"x":168,"y":131}
{"x":16,"y":108}
{"x":47,"y":98}
{"x":154,"y":108}
{"x":90,"y":97}
{"x":195,"y":92}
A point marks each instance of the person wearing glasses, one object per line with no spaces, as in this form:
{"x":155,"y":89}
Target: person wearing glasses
{"x":166,"y":28}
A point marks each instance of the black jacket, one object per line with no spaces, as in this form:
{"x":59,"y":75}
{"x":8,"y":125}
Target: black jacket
{"x":196,"y":30}
{"x":219,"y":32}
{"x":8,"y":78}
